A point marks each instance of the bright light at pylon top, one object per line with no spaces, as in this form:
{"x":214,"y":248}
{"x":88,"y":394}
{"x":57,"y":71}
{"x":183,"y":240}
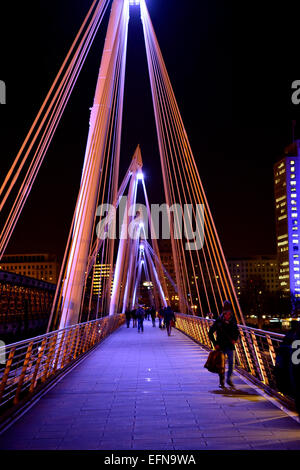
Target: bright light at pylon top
{"x":140,"y":176}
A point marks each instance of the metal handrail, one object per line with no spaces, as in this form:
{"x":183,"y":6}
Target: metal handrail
{"x":32,"y":362}
{"x":255,"y":350}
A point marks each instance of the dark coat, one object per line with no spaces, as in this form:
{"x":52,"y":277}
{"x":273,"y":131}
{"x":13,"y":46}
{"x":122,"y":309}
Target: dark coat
{"x":140,"y":313}
{"x":226,"y":333}
{"x":169,"y":315}
{"x":128,"y":314}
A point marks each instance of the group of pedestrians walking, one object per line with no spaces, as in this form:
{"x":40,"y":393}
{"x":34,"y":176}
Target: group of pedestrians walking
{"x":166,"y":318}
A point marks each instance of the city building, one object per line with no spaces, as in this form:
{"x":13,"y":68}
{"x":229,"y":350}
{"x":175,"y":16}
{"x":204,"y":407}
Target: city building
{"x":264,"y":267}
{"x":287,"y":202}
{"x":100,"y":273}
{"x":43,"y":266}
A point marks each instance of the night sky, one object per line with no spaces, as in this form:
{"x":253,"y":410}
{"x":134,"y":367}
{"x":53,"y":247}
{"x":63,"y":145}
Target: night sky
{"x":231,"y":67}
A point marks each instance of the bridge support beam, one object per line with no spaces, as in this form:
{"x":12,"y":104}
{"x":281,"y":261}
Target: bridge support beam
{"x":120,"y":275}
{"x":75,"y":270}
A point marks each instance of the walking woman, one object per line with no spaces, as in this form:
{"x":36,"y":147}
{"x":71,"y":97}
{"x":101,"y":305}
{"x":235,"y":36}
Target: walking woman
{"x":227,"y":333}
{"x":169,"y":319}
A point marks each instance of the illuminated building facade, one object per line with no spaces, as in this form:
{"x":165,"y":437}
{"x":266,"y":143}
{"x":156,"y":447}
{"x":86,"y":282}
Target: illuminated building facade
{"x":287,"y":203}
{"x":42,"y":266}
{"x":264,"y":267}
{"x":100,"y":273}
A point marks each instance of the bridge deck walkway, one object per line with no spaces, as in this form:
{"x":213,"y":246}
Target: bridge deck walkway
{"x":150,"y":391}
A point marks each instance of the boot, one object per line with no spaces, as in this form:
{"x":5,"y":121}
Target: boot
{"x":230,"y":383}
{"x":222,"y":382}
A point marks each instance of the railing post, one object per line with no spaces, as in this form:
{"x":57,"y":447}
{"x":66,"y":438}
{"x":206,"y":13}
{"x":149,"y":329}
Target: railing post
{"x":247,"y":353}
{"x":201,"y":332}
{"x":206,"y":329}
{"x":104,"y":328}
{"x":263,"y":376}
{"x":40,"y":355}
{"x":271,"y":349}
{"x":49,"y":358}
{"x":61,"y":342}
{"x":87,"y":332}
{"x":64,"y":361}
{"x":76,"y":341}
{"x":24,"y":368}
{"x":195,"y":336}
{"x":94,"y":334}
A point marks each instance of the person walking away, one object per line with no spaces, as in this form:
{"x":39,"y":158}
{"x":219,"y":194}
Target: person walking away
{"x":148,"y":313}
{"x":160,"y":317}
{"x":227,"y":333}
{"x":128,"y":317}
{"x":287,"y":367}
{"x":169,"y":319}
{"x":283,"y":370}
{"x":140,"y":313}
{"x":296,"y":368}
{"x":133,"y":316}
{"x":153,"y":315}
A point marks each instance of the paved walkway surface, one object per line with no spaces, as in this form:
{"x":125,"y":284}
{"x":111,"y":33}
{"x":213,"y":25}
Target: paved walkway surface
{"x":150,"y":391}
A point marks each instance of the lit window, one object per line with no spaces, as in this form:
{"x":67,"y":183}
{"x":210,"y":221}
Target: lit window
{"x":280,"y":238}
{"x":292,"y":168}
{"x":282,"y":243}
{"x":295,"y":214}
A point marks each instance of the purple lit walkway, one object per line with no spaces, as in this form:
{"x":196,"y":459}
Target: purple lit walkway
{"x":150,"y":391}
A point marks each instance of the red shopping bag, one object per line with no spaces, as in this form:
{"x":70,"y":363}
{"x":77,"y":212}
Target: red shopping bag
{"x":215,"y":362}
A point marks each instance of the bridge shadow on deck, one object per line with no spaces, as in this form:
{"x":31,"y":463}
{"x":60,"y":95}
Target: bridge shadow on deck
{"x":150,"y":391}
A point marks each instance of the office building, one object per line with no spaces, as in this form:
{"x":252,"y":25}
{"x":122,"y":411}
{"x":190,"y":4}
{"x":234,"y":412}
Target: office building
{"x":242,"y":270}
{"x":43,"y":266}
{"x":287,"y":204}
{"x":101,"y":272}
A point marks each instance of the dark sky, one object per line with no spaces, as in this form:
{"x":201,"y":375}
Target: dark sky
{"x":231,"y":66}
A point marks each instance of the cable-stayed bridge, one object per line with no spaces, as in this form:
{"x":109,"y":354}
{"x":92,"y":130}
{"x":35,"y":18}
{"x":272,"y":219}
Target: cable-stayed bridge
{"x":80,"y":321}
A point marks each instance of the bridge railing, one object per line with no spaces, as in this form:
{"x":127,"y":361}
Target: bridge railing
{"x":255,"y":350}
{"x":30,"y":363}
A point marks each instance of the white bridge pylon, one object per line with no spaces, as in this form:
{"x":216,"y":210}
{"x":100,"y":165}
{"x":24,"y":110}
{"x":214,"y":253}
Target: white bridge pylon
{"x":131,"y":257}
{"x":202,"y":279}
